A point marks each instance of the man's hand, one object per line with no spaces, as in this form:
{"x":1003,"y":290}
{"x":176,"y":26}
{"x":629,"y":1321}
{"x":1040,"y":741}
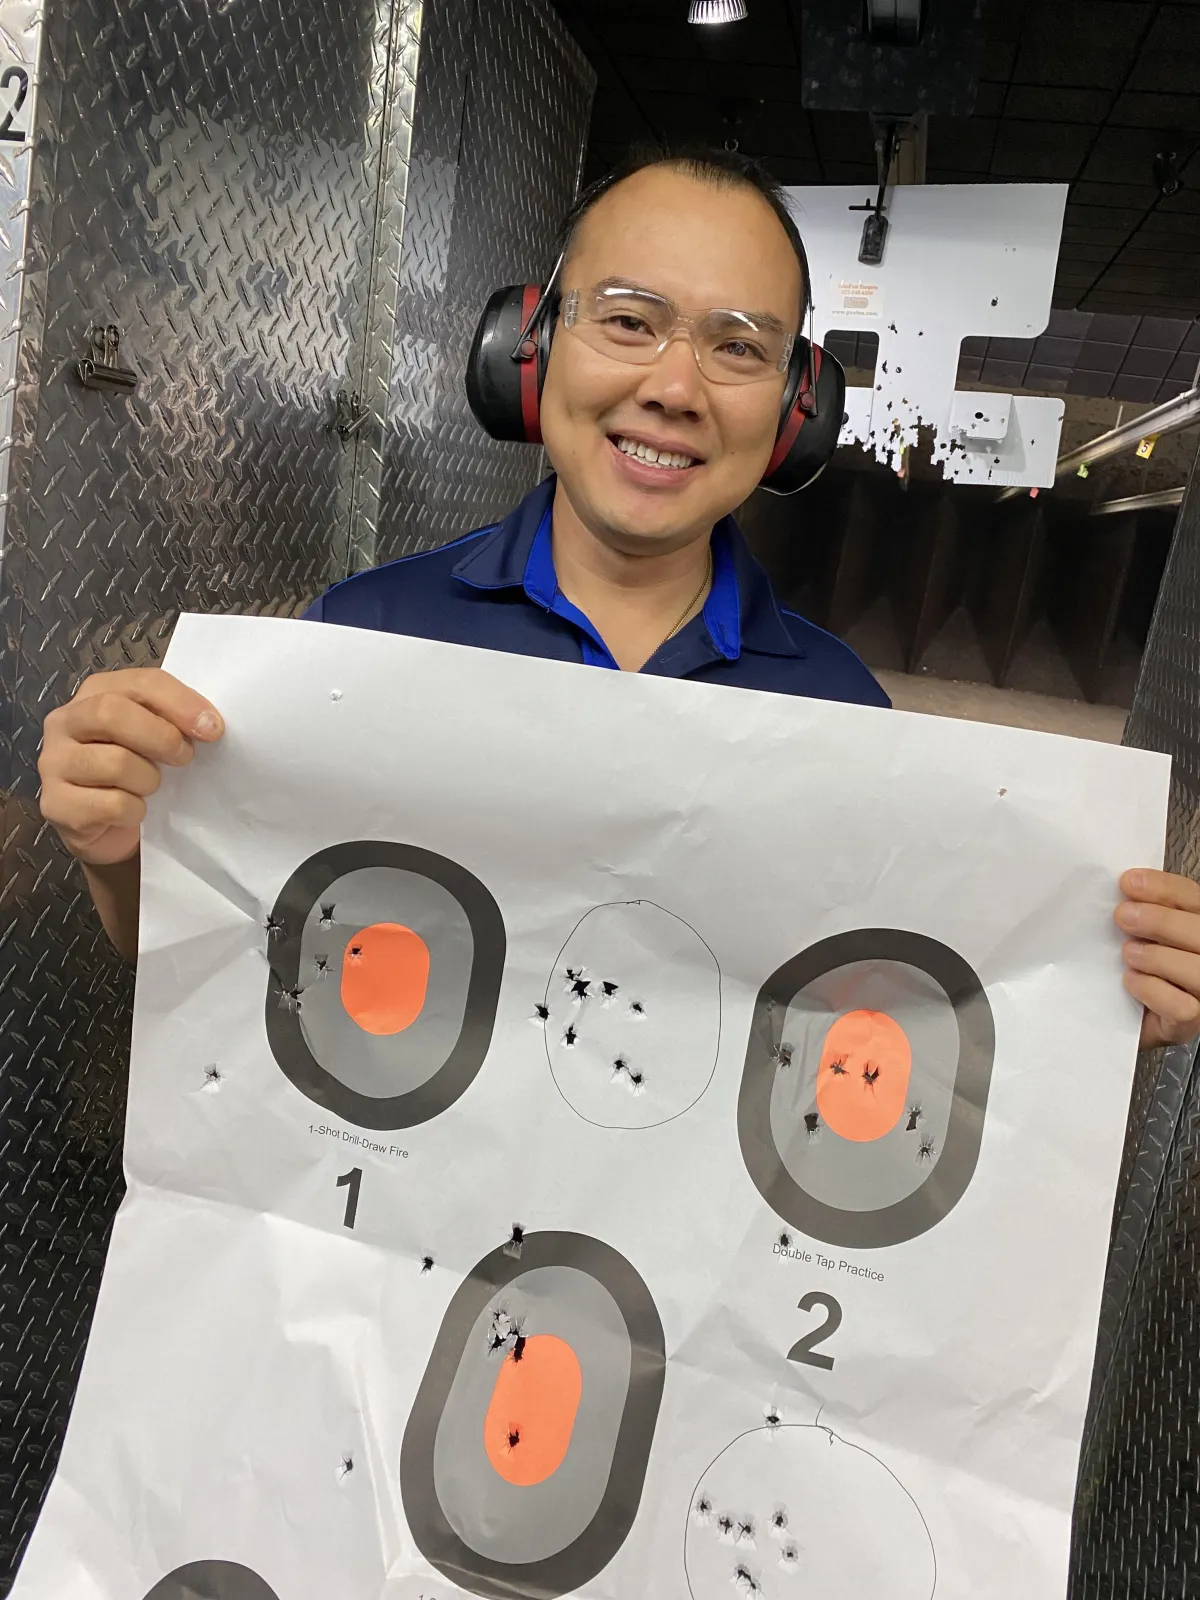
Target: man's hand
{"x":102,"y":751}
{"x":1161,"y":914}
{"x":100,"y":759}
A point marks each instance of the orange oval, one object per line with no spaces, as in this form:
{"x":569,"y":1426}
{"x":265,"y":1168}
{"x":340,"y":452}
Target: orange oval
{"x":531,"y":1414}
{"x":862,"y":1081}
{"x":385,"y":972}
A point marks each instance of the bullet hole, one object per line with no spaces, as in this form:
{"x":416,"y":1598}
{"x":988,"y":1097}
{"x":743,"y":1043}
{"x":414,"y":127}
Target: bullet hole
{"x":326,"y":920}
{"x":516,"y":1241}
{"x":579,"y":989}
{"x":745,"y":1531}
{"x":914,"y":1116}
{"x":1002,"y":792}
{"x":920,"y":333}
{"x":636,"y":1008}
{"x":870,"y":1076}
{"x":514,"y":1438}
{"x":783,"y":1054}
{"x":541,"y":1013}
{"x":503,"y":1332}
{"x":789,"y":1556}
{"x":891,"y":327}
{"x":703,"y":1508}
{"x":884,"y":367}
{"x":347,"y":1466}
{"x":772,"y":1417}
{"x":426,"y":1265}
{"x":838,"y":1067}
{"x":518,"y":1349}
{"x":785,"y":1240}
{"x":979,"y":416}
{"x":779,"y":1520}
{"x":355,"y":952}
{"x":812,"y":1124}
{"x":620,"y":1065}
{"x":745,"y":1580}
{"x":995,"y":461}
{"x":609,"y":989}
{"x":925,"y":1152}
{"x":899,"y":368}
{"x":570,"y":1037}
{"x":273,"y":925}
{"x":995,"y":300}
{"x":725,"y":1526}
{"x":289,"y":1000}
{"x":320,"y":965}
{"x":878,"y":388}
{"x":335,"y":695}
{"x":637,"y":1079}
{"x":212,"y":1077}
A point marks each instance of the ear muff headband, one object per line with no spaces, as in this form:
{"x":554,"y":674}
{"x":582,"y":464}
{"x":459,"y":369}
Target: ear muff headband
{"x":532,"y":369}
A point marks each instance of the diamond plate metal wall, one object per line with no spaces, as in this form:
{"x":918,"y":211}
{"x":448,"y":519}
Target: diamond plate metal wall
{"x":499,"y":129}
{"x":1137,"y":1521}
{"x":206,"y":177}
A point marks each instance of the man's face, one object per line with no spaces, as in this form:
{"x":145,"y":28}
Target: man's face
{"x":702,"y":248}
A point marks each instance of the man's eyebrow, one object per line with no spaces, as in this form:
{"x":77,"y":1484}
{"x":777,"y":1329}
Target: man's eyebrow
{"x":764,"y":319}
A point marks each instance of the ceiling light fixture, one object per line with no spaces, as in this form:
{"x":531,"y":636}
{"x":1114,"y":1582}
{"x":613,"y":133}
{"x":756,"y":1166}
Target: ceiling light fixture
{"x":710,"y":12}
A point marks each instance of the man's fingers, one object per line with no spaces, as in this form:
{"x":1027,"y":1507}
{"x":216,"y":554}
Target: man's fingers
{"x":160,"y":693}
{"x":1162,"y":924}
{"x":117,"y":720}
{"x":1178,"y":1010}
{"x":1178,"y":967}
{"x":1162,"y":888}
{"x":91,"y":812}
{"x":107,"y":766}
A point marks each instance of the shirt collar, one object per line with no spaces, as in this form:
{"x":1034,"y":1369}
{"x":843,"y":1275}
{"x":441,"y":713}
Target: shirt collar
{"x":741,"y":611}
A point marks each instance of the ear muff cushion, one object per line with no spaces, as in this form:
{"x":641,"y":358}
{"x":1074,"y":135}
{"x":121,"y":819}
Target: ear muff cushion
{"x":806,"y":441}
{"x":504,"y":393}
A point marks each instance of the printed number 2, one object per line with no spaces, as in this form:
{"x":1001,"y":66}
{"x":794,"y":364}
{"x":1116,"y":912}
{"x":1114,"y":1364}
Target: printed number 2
{"x":353,"y":1178}
{"x":8,"y":77}
{"x":805,"y":1349}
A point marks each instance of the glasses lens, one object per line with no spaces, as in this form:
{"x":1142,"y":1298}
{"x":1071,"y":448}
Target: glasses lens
{"x":627,"y":324}
{"x":734,"y":347}
{"x":633,"y":325}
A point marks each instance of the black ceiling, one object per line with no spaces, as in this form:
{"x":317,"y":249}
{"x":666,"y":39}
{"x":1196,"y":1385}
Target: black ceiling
{"x":1085,"y":92}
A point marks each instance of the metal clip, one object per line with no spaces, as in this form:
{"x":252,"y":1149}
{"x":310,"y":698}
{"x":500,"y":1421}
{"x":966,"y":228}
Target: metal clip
{"x":349,"y":414}
{"x":98,"y":369}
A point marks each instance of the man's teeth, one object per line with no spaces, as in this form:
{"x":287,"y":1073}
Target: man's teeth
{"x":656,"y":458}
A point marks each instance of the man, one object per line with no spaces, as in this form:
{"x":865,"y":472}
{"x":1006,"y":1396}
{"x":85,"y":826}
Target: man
{"x":657,"y":428}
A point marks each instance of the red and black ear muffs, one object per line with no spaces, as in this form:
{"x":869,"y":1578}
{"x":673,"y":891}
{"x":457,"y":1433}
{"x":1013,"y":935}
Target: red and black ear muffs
{"x":507,"y":368}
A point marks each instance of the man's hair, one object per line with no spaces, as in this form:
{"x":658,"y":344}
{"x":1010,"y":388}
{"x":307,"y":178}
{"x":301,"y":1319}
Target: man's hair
{"x":708,"y":164}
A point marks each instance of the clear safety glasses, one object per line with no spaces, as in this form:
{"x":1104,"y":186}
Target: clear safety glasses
{"x":636,"y":325}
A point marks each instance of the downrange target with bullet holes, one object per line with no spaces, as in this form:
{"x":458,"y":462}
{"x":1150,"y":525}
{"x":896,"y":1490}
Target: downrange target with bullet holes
{"x":212,"y":1580}
{"x":526,"y":1449}
{"x":385,"y":965}
{"x":865,"y":1087}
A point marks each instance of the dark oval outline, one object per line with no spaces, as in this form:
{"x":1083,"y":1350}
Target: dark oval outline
{"x":921,"y":1210}
{"x":587,"y":1555}
{"x":301,"y":892}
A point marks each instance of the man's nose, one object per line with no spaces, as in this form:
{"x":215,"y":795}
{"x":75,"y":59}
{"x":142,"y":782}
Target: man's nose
{"x":674,"y":380}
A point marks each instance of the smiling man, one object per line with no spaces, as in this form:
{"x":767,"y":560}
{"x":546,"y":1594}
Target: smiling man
{"x":681,"y":293}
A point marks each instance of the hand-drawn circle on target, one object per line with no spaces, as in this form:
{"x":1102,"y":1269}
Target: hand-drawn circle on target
{"x":384,"y":963}
{"x":865,"y":1087}
{"x":212,"y":1580}
{"x":524,"y":1455}
{"x":794,"y":1511}
{"x":632,"y":1016}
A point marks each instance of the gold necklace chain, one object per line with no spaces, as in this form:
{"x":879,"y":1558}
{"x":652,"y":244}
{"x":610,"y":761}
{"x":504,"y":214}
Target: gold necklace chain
{"x":692,"y":602}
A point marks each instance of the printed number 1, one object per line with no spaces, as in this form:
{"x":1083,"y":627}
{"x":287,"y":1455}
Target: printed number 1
{"x":353,"y":1179}
{"x":805,"y":1349}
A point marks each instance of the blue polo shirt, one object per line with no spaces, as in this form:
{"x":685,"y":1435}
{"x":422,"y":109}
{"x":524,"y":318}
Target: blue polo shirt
{"x":497,"y":589}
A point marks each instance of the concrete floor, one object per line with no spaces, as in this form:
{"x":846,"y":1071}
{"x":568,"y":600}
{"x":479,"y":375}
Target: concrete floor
{"x":1012,"y":708}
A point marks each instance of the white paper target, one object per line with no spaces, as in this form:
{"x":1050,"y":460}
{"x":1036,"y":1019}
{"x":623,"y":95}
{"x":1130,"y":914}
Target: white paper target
{"x":792,"y":1512}
{"x":632,"y":1015}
